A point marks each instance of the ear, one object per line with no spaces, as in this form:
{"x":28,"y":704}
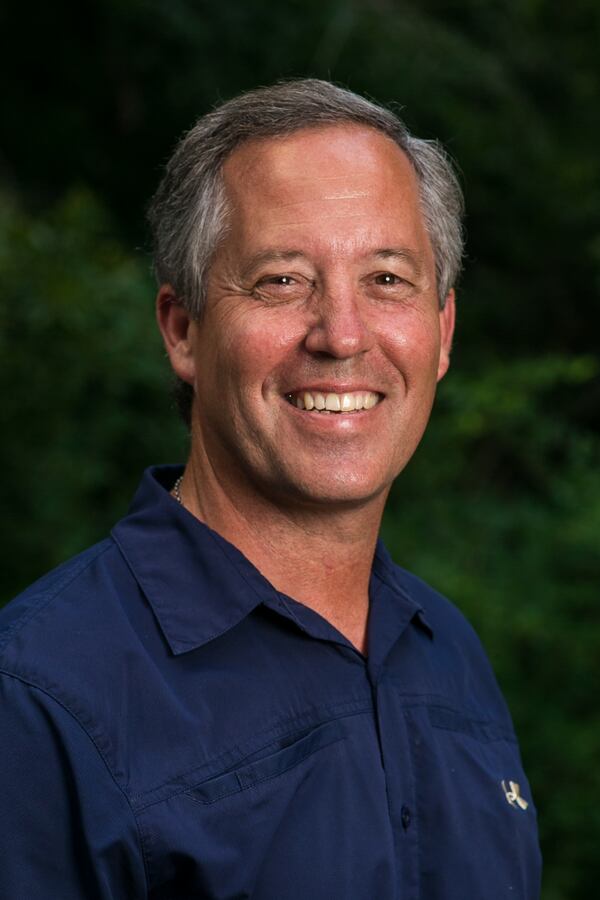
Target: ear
{"x":447,"y":319}
{"x":175,"y":323}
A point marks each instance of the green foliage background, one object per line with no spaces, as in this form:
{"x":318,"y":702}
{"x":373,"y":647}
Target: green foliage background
{"x":500,"y":509}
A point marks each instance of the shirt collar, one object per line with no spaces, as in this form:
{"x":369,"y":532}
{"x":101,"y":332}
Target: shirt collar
{"x":199,"y":585}
{"x":394,"y":604}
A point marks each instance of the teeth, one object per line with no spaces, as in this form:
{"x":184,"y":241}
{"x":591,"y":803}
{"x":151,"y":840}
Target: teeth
{"x":331,"y":402}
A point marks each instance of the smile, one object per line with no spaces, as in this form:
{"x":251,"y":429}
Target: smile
{"x":334,"y":403}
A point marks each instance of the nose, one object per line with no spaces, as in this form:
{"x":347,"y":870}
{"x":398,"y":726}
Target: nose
{"x":339,"y":328}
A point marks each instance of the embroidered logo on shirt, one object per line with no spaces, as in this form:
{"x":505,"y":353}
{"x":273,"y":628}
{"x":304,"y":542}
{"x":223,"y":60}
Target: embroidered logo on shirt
{"x":512,"y":792}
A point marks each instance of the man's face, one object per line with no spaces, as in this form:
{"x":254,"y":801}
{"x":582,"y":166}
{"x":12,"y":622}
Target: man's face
{"x":323,"y":291}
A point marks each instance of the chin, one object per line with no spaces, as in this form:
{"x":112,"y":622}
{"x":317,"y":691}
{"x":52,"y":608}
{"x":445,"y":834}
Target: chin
{"x":349,"y":491}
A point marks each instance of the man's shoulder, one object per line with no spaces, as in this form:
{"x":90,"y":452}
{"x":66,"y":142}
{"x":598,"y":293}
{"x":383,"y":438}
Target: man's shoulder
{"x":45,"y":589}
{"x":63,"y":641}
{"x":60,"y":616}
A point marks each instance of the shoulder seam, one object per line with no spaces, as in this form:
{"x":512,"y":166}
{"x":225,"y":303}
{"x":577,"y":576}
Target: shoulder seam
{"x":63,"y":583}
{"x":75,"y":717}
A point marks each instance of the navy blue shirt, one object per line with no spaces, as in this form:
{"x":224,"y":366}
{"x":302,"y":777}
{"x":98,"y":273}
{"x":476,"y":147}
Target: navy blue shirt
{"x":173,"y":727}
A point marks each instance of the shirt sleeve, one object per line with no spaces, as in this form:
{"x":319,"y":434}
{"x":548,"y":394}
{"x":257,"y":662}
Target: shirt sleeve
{"x":66,"y":829}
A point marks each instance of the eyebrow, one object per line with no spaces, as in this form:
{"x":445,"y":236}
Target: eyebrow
{"x":400,"y":254}
{"x":269,"y":256}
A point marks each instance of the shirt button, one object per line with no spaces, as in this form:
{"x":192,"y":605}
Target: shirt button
{"x":405,"y":817}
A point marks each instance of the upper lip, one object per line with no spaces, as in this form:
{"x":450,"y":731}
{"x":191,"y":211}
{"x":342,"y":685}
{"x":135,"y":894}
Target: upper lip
{"x":328,"y":388}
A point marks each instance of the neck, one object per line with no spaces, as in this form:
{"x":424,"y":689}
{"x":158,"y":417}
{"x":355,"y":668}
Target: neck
{"x":320,"y":556}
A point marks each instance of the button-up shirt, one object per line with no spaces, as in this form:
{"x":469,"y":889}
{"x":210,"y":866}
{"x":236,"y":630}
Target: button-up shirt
{"x":173,"y":727}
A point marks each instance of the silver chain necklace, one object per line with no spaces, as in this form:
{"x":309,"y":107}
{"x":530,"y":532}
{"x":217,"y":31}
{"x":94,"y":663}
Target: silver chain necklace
{"x":176,"y":490}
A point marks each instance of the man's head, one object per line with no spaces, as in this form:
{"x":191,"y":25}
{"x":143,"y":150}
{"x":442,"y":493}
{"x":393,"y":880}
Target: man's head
{"x":190,"y":213}
{"x":327,"y":274}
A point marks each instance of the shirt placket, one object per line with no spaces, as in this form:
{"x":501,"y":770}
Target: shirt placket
{"x":395,"y":737}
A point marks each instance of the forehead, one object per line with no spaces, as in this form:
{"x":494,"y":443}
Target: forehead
{"x":340,"y":192}
{"x":339,"y":172}
{"x":349,"y":147}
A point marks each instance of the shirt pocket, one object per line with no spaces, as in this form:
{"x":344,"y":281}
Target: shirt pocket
{"x":478,"y":821}
{"x":268,"y":763}
{"x":286,"y":818}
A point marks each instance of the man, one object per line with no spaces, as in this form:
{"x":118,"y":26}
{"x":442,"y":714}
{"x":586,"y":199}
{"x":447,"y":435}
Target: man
{"x":238,"y":694}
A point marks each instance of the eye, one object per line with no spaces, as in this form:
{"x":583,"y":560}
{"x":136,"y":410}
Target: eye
{"x":389,"y":279}
{"x":284,"y":287}
{"x":389,"y":286}
{"x":285,"y":280}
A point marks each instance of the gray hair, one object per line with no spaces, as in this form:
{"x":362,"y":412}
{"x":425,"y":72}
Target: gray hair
{"x":188,"y":214}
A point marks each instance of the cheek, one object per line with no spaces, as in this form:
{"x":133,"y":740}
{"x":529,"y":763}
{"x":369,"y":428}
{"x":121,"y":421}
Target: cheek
{"x":414,"y":348}
{"x":262,"y":347}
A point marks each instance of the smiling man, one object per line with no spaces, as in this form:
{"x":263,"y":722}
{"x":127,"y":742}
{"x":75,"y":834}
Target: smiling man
{"x":238,"y":694}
